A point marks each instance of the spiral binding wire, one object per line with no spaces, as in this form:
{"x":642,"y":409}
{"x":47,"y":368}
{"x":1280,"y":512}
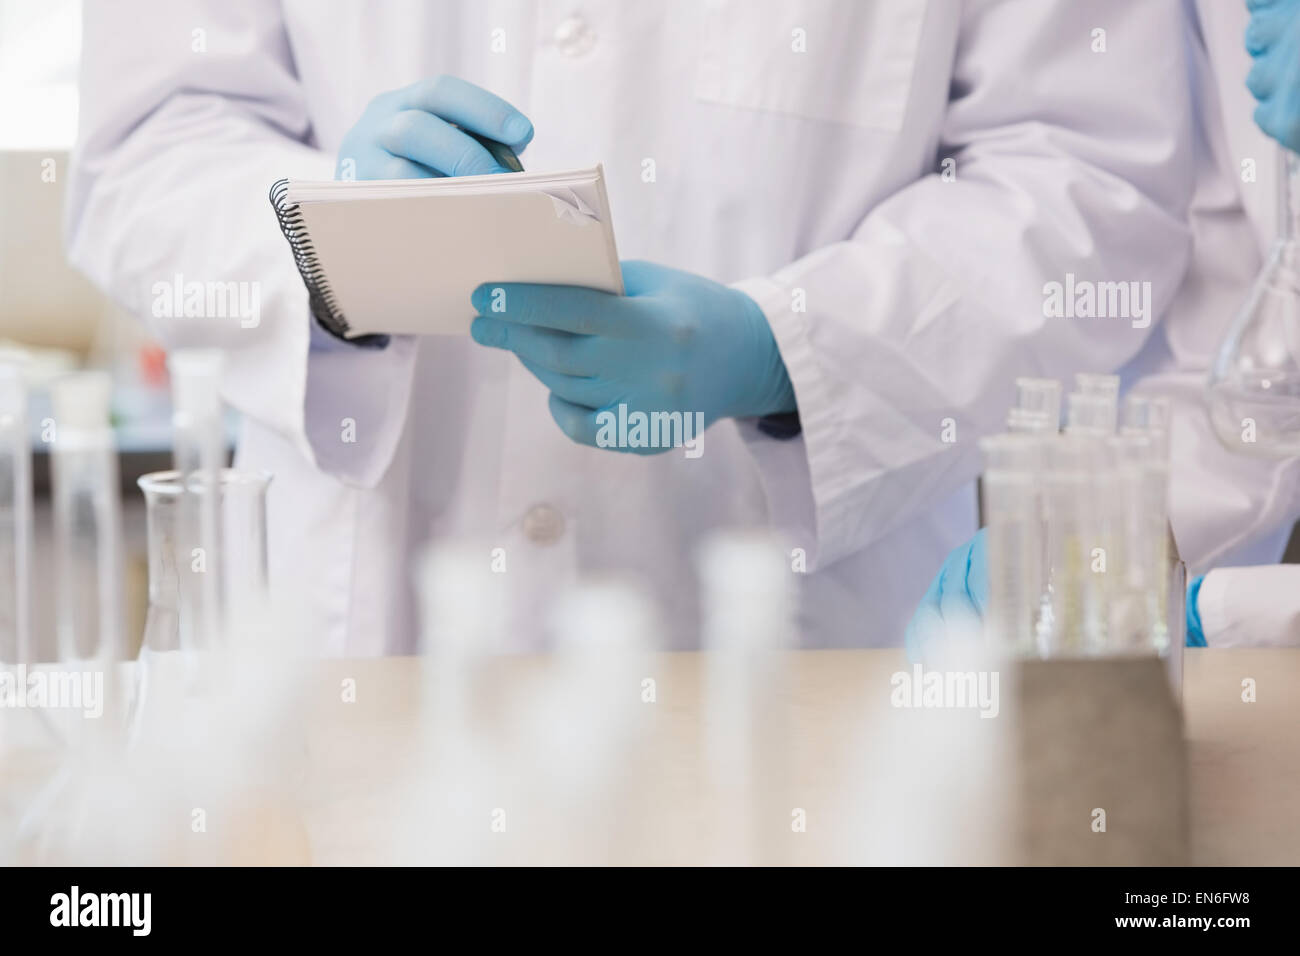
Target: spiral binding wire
{"x":323,"y":303}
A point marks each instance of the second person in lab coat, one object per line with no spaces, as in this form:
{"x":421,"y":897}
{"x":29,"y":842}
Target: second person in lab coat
{"x":1231,"y":513}
{"x":881,"y":188}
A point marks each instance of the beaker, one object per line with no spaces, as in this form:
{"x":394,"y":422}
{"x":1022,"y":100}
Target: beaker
{"x":177,"y":563}
{"x":1254,"y":385}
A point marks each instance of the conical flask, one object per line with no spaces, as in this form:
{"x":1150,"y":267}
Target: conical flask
{"x":1254,"y":386}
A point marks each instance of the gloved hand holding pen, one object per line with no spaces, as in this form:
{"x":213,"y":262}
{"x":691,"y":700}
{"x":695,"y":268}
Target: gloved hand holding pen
{"x":422,"y":131}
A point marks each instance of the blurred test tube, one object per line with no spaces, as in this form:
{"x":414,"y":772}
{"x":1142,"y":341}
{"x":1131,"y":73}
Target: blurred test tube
{"x":198,"y":454}
{"x":748,"y":620}
{"x":15,"y":519}
{"x":1014,"y":537}
{"x":1105,"y":387}
{"x":87,"y":519}
{"x":1038,"y":406}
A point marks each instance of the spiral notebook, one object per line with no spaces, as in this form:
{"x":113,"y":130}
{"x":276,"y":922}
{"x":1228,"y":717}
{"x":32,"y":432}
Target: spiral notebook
{"x":394,"y":257}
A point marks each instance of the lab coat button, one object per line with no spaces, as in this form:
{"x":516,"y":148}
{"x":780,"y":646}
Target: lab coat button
{"x":573,"y":37}
{"x":543,"y":524}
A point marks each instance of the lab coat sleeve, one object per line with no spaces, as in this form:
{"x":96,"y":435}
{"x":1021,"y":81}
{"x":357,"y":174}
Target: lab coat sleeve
{"x":904,"y":340}
{"x":1251,"y":607}
{"x":189,"y":112}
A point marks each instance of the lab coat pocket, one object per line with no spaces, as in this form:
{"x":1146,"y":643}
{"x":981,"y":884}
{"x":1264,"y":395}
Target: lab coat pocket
{"x":842,"y":61}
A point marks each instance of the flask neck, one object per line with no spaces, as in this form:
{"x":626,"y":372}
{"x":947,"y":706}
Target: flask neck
{"x":1288,"y":196}
{"x":1282,"y":271}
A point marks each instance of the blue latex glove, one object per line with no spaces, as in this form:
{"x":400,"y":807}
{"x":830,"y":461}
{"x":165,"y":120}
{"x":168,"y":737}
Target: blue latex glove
{"x":1195,"y":633}
{"x":1273,"y":41}
{"x":954,"y":605}
{"x":408,"y":133}
{"x":676,"y":342}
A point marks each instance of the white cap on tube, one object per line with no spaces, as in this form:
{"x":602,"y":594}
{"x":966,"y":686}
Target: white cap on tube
{"x":463,"y":601}
{"x":1091,"y":383}
{"x":604,"y":615}
{"x":13,"y":393}
{"x":1091,"y":413}
{"x":1146,"y":413}
{"x":196,"y":383}
{"x":748,"y":591}
{"x":82,"y":400}
{"x":1037,"y":397}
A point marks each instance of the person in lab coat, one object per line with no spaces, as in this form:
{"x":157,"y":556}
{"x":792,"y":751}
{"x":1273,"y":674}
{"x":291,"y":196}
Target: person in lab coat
{"x":1226,"y":509}
{"x":1259,"y":605}
{"x":889,"y":185}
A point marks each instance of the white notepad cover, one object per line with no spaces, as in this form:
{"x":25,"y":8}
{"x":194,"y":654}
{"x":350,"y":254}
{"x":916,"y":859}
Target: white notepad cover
{"x":403,"y":256}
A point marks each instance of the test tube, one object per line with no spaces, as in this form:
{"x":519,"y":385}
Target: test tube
{"x":1151,"y":418}
{"x":1103,"y":387}
{"x":463,"y":613}
{"x":1038,"y":406}
{"x":1090,"y":415}
{"x":603,"y":617}
{"x":748,"y":620}
{"x":87,"y":519}
{"x":1076,"y":531}
{"x":15,"y":519}
{"x":1134,"y":577}
{"x":198,"y":454}
{"x":588,"y":727}
{"x":1014,"y":537}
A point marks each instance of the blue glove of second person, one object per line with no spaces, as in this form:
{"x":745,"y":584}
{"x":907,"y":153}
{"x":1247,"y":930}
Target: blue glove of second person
{"x":676,"y":342}
{"x":953,"y":607}
{"x":1195,"y":631}
{"x":1273,"y":41}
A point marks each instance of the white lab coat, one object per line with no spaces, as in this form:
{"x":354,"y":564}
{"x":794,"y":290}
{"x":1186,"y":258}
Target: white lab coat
{"x":1226,"y":508}
{"x":796,"y":148}
{"x":1251,"y":606}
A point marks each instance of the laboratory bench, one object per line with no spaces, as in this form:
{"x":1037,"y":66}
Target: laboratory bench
{"x":844,"y":787}
{"x":1243,"y":759}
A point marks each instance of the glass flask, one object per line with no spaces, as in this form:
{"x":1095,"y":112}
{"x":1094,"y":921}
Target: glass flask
{"x":205,"y":728}
{"x":177,"y":564}
{"x":1254,"y":385}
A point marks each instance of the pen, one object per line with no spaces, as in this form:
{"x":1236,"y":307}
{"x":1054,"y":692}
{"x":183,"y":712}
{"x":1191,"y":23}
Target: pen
{"x":503,"y":154}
